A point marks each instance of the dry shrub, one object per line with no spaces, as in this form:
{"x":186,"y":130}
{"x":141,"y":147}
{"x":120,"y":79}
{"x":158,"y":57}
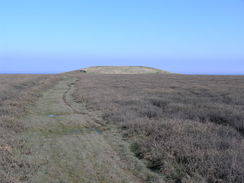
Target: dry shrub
{"x":17,"y":92}
{"x":187,"y":128}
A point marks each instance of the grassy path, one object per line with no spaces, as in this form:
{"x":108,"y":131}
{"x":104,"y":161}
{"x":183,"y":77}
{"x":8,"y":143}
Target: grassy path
{"x":64,"y":143}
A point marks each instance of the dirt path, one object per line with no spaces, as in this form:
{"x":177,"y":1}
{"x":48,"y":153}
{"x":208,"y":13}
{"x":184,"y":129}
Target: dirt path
{"x":64,"y":143}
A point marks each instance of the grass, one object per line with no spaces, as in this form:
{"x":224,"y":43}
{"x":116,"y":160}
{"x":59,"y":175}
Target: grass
{"x":122,"y":70}
{"x":186,"y":128}
{"x":69,"y":147}
{"x":17,"y":92}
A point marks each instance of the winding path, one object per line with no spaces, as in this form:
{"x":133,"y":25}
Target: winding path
{"x":64,"y":143}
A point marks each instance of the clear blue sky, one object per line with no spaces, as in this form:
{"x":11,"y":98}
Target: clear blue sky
{"x":187,"y":36}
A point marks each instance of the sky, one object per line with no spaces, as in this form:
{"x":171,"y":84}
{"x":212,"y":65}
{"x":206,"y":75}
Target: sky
{"x":192,"y":37}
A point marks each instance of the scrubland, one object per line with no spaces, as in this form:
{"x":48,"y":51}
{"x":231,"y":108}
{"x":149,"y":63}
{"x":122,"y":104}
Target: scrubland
{"x":185,"y":128}
{"x":17,"y":93}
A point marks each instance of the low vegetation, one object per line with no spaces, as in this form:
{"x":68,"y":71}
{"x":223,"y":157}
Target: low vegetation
{"x":17,"y":93}
{"x":185,"y":128}
{"x":122,"y":70}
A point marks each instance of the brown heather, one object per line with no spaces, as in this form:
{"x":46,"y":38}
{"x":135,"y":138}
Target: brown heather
{"x":186,"y":128}
{"x":17,"y":92}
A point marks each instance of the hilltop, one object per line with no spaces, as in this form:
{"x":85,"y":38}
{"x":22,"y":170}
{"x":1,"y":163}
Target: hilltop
{"x":123,"y":70}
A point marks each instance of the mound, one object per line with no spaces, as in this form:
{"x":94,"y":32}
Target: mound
{"x":122,"y":70}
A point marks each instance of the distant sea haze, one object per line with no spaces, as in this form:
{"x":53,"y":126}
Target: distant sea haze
{"x":56,"y":64}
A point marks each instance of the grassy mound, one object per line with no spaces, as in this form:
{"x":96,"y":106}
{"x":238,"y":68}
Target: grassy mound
{"x":123,"y":70}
